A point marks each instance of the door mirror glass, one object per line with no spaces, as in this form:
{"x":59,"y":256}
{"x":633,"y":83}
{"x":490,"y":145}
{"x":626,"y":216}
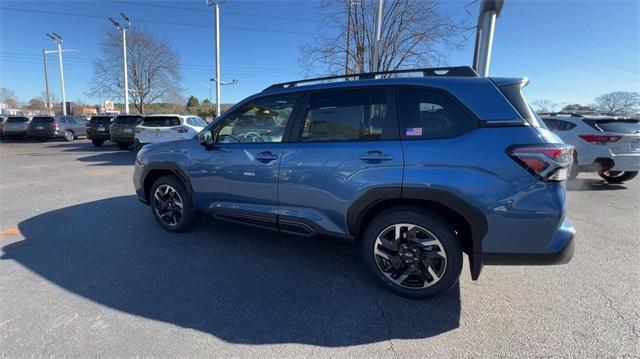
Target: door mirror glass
{"x":207,"y":138}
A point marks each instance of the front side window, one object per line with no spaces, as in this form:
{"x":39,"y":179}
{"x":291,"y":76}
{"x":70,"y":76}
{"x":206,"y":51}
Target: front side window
{"x":262,"y":120}
{"x":353,"y":115}
{"x":428,"y":114}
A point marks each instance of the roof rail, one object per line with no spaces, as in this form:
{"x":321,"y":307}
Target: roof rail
{"x":460,"y":71}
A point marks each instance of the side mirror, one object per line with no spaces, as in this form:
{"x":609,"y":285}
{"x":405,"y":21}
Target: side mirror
{"x":207,"y":139}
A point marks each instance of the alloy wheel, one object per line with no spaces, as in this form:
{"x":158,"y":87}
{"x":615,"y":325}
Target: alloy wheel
{"x":410,"y":256}
{"x":168,"y":205}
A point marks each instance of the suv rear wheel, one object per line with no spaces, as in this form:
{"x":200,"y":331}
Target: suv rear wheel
{"x":412,"y":252}
{"x":170,"y":204}
{"x":69,"y":136}
{"x":617,"y":176}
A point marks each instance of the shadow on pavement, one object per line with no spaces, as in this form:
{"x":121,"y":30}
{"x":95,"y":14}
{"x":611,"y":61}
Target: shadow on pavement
{"x":106,"y":155}
{"x":242,"y":285}
{"x":590,"y":184}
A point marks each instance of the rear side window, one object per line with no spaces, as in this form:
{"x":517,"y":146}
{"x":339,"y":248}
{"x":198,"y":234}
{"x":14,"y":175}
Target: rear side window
{"x":353,"y":115}
{"x":558,"y":125}
{"x":161,"y":121}
{"x":430,"y":114}
{"x":627,"y":127}
{"x":100,"y":120}
{"x":17,"y":119}
{"x":128,"y":120}
{"x":42,"y":120}
{"x":513,"y":93}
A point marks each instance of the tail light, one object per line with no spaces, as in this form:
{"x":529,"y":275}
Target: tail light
{"x":549,"y":162}
{"x":181,"y":129}
{"x":600,"y":139}
{"x":55,"y":126}
{"x":139,"y":129}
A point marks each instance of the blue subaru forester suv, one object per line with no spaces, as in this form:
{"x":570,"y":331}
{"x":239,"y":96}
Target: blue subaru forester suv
{"x":417,"y":170}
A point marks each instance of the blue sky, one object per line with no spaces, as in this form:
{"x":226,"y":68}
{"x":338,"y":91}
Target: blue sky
{"x":572,"y":51}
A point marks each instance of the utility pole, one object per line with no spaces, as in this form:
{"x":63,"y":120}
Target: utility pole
{"x":46,"y":80}
{"x":216,"y":7}
{"x":58,"y":40}
{"x":346,"y":57}
{"x":376,"y":52}
{"x":124,"y":28}
{"x":489,"y":11}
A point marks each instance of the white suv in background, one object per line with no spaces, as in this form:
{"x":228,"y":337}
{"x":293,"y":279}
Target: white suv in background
{"x":603,"y":144}
{"x":163,"y":128}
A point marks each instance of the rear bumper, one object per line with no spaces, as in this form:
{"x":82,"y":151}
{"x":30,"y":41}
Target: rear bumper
{"x":122,"y":138}
{"x":560,"y":251}
{"x":14,"y":133}
{"x":98,"y":135}
{"x":43,"y":134}
{"x":626,"y":162}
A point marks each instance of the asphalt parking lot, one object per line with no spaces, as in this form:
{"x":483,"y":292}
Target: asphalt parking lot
{"x":85,"y":270}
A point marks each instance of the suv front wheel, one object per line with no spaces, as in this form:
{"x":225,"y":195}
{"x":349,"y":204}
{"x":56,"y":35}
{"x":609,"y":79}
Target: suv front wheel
{"x":617,"y":176}
{"x":412,"y":252}
{"x":171,"y":204}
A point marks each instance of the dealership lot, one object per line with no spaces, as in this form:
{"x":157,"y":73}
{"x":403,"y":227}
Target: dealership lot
{"x":85,"y":270}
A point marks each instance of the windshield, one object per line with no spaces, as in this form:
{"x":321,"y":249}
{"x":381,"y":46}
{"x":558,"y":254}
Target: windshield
{"x":42,"y":120}
{"x":128,"y":120}
{"x":627,"y":127}
{"x":17,"y":119}
{"x":161,"y":121}
{"x":100,"y":120}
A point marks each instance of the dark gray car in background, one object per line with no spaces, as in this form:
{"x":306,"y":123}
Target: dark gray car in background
{"x":98,"y":129}
{"x":123,"y":130}
{"x":15,"y":127}
{"x":43,"y":128}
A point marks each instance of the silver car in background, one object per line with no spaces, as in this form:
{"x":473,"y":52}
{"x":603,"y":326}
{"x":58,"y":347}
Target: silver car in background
{"x":15,"y":127}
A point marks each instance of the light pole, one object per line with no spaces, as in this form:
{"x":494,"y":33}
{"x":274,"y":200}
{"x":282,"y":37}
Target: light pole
{"x":46,"y":80}
{"x":215,"y":4}
{"x":218,"y":84}
{"x":124,"y":28}
{"x":58,"y":40}
{"x":376,"y":53}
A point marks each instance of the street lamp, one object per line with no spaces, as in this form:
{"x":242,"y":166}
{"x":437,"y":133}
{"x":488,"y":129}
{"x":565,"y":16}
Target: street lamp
{"x":215,"y":4}
{"x":124,"y":28}
{"x":209,"y":87}
{"x":57,"y":39}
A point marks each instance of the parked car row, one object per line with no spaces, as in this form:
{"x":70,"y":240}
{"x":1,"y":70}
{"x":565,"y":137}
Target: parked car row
{"x":607,"y":145}
{"x":124,"y":130}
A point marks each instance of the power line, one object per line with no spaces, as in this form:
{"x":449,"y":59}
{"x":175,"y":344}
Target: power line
{"x":59,"y":13}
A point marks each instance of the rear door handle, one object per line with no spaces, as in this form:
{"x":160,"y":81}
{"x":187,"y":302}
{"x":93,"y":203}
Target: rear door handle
{"x":375,"y":156}
{"x":266,"y":157}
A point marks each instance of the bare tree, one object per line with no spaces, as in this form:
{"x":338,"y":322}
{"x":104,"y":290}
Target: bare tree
{"x":9,"y":98}
{"x":153,"y":68}
{"x":544,"y":105}
{"x":618,"y":103}
{"x":414,"y":33}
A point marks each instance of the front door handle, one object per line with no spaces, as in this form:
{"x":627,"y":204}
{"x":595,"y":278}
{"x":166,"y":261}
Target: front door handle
{"x":375,"y":156}
{"x":266,"y":157}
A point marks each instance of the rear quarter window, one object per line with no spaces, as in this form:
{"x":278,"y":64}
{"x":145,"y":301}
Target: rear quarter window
{"x":161,"y":121}
{"x":627,"y":127}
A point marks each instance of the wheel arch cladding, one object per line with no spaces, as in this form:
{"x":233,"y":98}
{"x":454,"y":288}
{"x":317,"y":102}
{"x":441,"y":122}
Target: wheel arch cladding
{"x":469,"y":222}
{"x":158,"y":171}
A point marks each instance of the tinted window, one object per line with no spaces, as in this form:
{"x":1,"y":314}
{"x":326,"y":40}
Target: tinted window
{"x":128,"y":120}
{"x":42,"y":120}
{"x":62,"y":120}
{"x":558,"y":125}
{"x":430,"y":114}
{"x":191,"y":122}
{"x":513,"y":93}
{"x":17,"y":119}
{"x":354,"y":115}
{"x":161,"y":121}
{"x":627,"y":127}
{"x":262,"y":120}
{"x":72,"y":121}
{"x":100,"y":120}
{"x":200,"y":122}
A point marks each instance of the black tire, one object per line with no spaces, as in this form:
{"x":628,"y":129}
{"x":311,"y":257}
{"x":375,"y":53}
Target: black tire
{"x":617,"y":176}
{"x":574,"y":170}
{"x":97,"y":142}
{"x":69,"y":136}
{"x":42,"y":140}
{"x":185,"y":219}
{"x":123,"y":145}
{"x":449,"y":267}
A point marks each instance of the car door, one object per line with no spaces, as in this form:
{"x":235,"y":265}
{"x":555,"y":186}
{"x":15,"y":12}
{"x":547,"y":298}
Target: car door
{"x":236,"y":179}
{"x":345,"y":147}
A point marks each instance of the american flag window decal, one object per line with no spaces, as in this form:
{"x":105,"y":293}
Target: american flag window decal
{"x":414,"y":131}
